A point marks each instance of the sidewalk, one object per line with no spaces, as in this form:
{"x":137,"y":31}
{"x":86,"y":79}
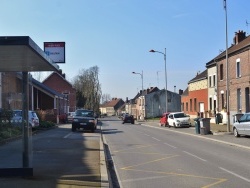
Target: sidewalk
{"x":56,"y":166}
{"x":219,"y":133}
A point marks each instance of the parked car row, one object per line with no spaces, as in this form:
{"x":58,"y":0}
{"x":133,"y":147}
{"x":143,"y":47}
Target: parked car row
{"x":242,"y":125}
{"x":175,"y":119}
{"x":17,"y":118}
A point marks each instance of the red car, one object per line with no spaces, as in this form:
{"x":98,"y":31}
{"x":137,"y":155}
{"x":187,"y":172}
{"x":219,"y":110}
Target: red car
{"x":164,"y":119}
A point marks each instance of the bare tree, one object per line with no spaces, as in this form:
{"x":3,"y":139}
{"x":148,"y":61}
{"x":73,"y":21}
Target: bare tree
{"x":105,"y":98}
{"x":88,"y":89}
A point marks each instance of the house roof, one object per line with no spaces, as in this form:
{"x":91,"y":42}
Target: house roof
{"x":199,"y":77}
{"x":59,"y":74}
{"x":186,"y":92}
{"x":146,"y":91}
{"x":232,"y":50}
{"x":111,"y":103}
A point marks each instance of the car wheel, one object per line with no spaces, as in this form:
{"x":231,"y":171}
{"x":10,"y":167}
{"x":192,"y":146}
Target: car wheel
{"x":236,"y":134}
{"x":174,"y":125}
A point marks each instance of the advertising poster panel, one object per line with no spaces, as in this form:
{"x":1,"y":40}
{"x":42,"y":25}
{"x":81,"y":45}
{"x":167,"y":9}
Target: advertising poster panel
{"x":55,"y":51}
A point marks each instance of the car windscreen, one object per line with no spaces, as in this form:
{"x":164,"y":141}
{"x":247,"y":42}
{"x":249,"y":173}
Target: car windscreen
{"x":84,"y":113}
{"x":180,"y":115}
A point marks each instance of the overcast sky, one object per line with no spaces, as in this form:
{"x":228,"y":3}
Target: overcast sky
{"x":116,"y":36}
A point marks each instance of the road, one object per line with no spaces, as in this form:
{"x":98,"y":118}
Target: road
{"x":149,"y":157}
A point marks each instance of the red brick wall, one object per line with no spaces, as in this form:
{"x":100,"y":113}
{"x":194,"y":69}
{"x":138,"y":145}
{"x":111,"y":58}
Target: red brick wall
{"x":201,"y":97}
{"x":59,"y":84}
{"x":234,"y":83}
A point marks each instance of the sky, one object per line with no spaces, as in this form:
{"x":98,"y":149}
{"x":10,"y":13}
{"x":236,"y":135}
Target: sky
{"x":117,"y":35}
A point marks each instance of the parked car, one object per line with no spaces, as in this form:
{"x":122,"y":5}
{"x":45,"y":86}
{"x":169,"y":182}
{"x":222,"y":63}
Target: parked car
{"x":178,"y":119}
{"x":164,"y":119}
{"x":17,"y":118}
{"x":242,"y":125}
{"x":128,"y":119}
{"x":84,"y":119}
{"x":70,"y":117}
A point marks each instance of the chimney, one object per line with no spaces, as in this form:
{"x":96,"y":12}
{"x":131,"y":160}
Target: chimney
{"x":239,"y":36}
{"x":180,"y":91}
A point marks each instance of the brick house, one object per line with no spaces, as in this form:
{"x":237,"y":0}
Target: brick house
{"x":194,"y":99}
{"x":40,"y":96}
{"x":57,"y":82}
{"x":238,"y":75}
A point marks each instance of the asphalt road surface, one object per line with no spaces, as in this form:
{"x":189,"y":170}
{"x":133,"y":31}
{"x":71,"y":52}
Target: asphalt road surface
{"x":158,"y":157}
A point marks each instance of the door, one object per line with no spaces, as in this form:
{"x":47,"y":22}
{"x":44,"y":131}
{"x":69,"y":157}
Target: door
{"x":201,"y":104}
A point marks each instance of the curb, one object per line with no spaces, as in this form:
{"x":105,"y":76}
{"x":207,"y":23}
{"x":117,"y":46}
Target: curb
{"x":105,"y":180}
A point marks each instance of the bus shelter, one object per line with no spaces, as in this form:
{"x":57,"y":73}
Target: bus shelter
{"x":22,"y":54}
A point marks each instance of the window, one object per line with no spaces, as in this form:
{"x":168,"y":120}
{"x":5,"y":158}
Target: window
{"x":239,"y":99}
{"x":186,"y":106}
{"x":238,"y":71}
{"x":195,"y":104}
{"x":191,"y":106}
{"x":214,"y":80}
{"x":221,"y":72}
{"x":222,"y":100}
{"x":210,"y":81}
{"x":210,"y":103}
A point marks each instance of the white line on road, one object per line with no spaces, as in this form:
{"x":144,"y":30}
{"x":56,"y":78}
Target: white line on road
{"x":67,"y":135}
{"x":146,"y":135}
{"x":155,"y":138}
{"x":170,"y":145}
{"x":194,"y":156}
{"x":230,"y":172}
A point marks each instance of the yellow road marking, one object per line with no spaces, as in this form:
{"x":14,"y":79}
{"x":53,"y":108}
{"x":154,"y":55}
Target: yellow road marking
{"x":125,"y":168}
{"x":143,"y":146}
{"x":219,"y":180}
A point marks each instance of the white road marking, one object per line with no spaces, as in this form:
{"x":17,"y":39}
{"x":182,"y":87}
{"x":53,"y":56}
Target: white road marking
{"x":155,"y":138}
{"x":146,"y":135}
{"x":194,"y":156}
{"x":170,"y":145}
{"x":237,"y":175}
{"x":67,"y":135}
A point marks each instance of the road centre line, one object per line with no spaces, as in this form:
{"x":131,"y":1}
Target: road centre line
{"x":194,"y":156}
{"x":155,"y":138}
{"x":237,"y":175}
{"x":170,"y":145}
{"x":67,"y":135}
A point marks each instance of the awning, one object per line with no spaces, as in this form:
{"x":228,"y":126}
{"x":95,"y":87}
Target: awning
{"x":21,"y":53}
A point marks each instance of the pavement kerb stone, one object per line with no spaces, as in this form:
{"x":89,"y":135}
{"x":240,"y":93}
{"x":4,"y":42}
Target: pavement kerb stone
{"x":105,"y":182}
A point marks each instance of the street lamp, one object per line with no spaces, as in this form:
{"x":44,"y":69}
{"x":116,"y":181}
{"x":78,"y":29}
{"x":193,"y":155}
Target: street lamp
{"x":141,"y":88}
{"x":227,"y":71}
{"x":165,"y":74}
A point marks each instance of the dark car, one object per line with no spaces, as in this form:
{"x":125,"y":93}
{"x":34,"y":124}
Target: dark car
{"x":84,"y":119}
{"x":128,"y":119}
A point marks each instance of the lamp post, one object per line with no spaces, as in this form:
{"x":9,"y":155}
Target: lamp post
{"x":141,"y":88}
{"x":164,"y":54}
{"x":227,"y":74}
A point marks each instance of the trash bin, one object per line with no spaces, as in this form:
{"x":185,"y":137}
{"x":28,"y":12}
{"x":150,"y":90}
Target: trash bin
{"x":197,"y":125}
{"x":205,"y":126}
{"x":218,"y":118}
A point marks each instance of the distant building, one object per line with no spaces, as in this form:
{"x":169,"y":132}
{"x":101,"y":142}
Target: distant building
{"x":194,"y":99}
{"x":112,"y":107}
